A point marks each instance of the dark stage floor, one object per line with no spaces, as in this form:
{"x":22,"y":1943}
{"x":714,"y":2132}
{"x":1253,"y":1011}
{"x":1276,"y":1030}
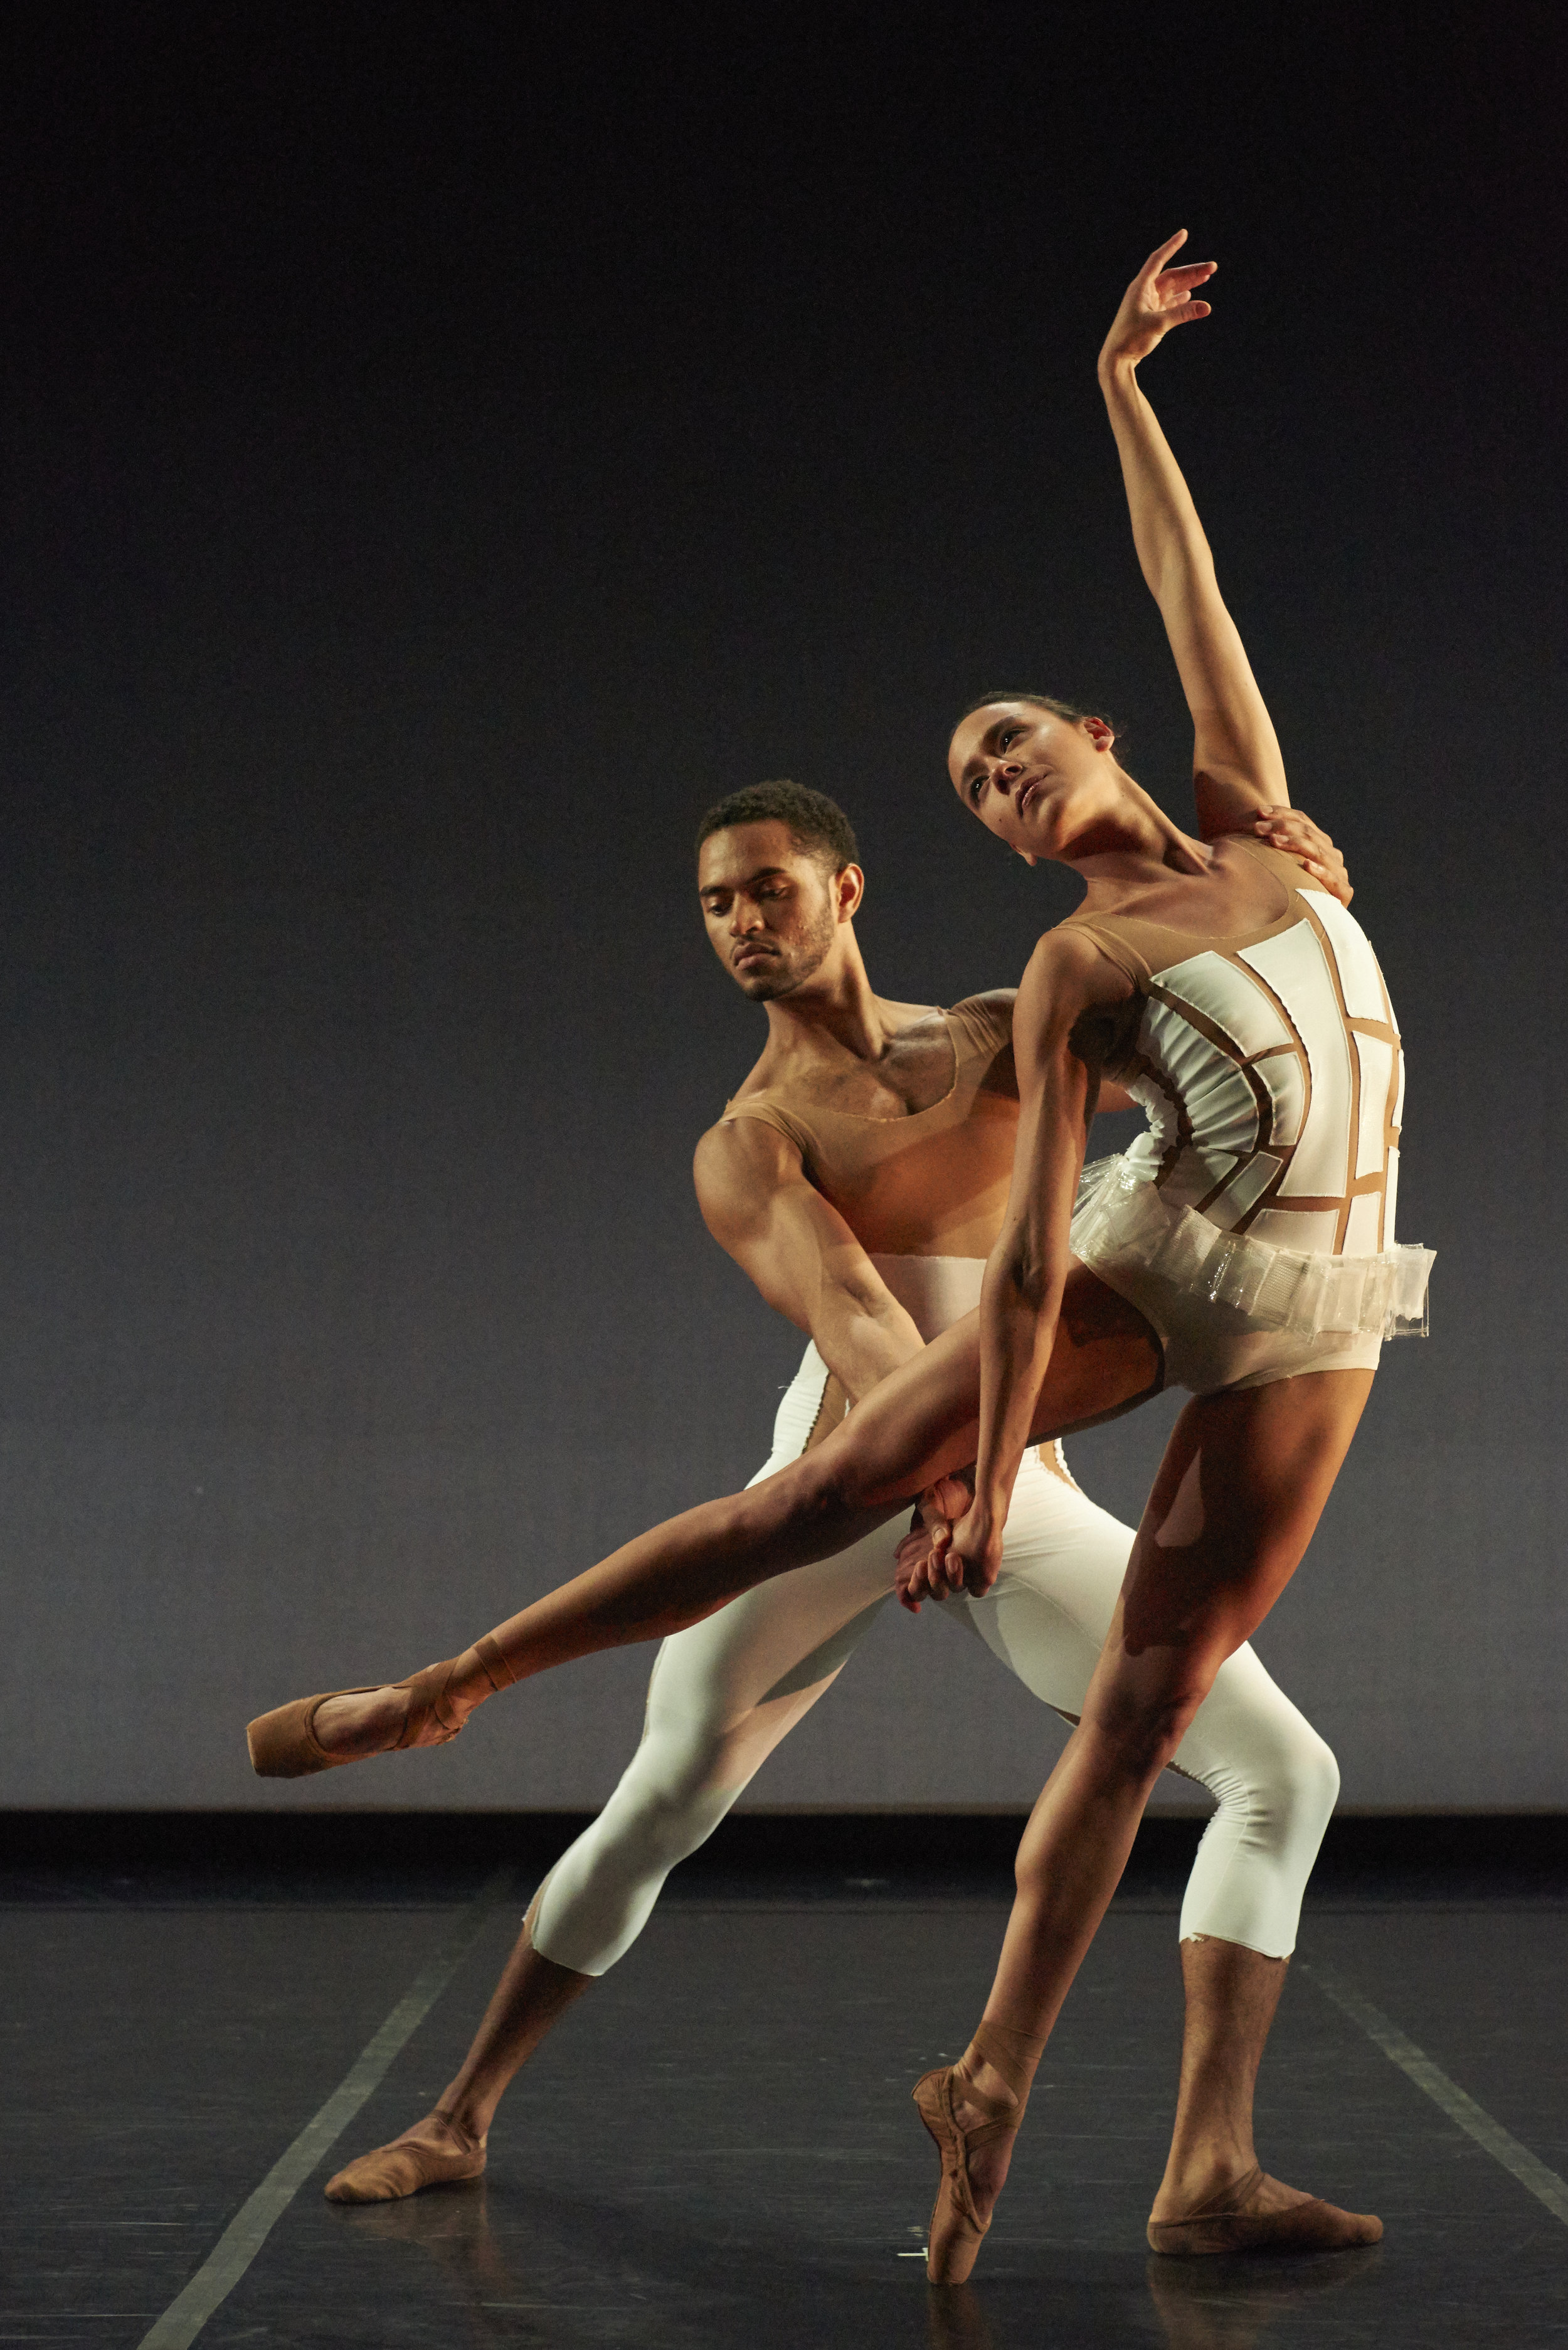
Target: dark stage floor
{"x":718,"y":2146}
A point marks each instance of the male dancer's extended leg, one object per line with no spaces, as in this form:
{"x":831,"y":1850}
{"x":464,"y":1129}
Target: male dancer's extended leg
{"x":723,"y":1696}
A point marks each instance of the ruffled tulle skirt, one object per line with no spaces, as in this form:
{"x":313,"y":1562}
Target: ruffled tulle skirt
{"x":1123,"y":1224}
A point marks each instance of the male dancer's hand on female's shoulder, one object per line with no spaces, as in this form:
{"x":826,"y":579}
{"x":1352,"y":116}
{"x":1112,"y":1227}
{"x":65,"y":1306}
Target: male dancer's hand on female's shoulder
{"x":1288,"y":829}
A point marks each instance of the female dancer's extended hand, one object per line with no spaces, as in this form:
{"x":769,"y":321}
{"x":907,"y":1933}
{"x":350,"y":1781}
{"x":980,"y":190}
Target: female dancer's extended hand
{"x":1157,"y":299}
{"x":954,"y":1545}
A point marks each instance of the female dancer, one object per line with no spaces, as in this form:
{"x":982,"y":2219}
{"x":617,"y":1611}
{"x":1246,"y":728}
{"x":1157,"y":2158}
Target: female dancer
{"x":1246,"y":1246}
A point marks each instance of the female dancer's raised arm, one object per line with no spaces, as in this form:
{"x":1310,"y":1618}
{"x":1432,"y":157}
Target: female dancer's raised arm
{"x":1237,"y":769}
{"x":1238,"y":774}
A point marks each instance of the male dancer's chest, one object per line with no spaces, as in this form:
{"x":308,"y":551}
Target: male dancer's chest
{"x":920,"y":1186}
{"x":932,"y":1183}
{"x":915,"y":1151}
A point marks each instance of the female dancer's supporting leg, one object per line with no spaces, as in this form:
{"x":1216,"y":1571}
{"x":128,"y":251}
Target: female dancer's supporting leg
{"x":1275,"y":1783}
{"x":1243,"y":1482}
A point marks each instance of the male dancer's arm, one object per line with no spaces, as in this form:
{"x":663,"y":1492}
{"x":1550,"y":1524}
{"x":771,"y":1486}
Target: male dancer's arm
{"x":756,"y":1202}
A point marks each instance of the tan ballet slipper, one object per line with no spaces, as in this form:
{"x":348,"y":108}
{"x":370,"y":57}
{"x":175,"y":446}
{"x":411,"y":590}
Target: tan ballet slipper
{"x":284,"y":1745}
{"x":957,"y":2231}
{"x":1220,"y":2225}
{"x":406,"y":2167}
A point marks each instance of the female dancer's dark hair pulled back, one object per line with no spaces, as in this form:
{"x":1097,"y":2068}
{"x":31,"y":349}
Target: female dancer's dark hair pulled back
{"x":1068,"y":710}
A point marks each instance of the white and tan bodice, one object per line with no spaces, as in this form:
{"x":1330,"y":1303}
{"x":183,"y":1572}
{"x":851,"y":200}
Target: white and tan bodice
{"x":1271,"y":1071}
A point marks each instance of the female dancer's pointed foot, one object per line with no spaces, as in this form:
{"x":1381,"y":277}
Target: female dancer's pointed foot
{"x":437,"y":2152}
{"x":428,"y":1709}
{"x":975,"y":2147}
{"x":1258,"y":2214}
{"x":318,"y":1734}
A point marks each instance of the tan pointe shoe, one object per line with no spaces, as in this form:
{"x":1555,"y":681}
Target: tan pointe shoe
{"x":1222,"y":2225}
{"x":406,"y":2167}
{"x":284,"y":1744}
{"x":957,"y":2230}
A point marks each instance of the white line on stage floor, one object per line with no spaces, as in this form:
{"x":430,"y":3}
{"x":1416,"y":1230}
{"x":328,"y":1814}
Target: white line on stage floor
{"x":246,"y":2232}
{"x":252,"y":2224}
{"x":1527,"y":2168}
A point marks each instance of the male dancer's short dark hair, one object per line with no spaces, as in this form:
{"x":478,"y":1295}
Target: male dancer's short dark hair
{"x":817,"y":826}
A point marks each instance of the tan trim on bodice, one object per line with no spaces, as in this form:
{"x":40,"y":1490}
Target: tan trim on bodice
{"x":1152,"y":953}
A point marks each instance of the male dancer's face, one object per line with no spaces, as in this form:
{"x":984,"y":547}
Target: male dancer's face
{"x":774,"y":912}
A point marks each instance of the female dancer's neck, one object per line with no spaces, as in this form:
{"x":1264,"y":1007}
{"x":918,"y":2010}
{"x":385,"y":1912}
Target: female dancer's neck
{"x":1123,"y":840}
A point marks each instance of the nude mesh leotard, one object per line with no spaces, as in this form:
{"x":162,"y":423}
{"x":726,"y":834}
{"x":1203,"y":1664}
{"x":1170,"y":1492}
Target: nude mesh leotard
{"x":1270,"y":1069}
{"x":881,"y":1173}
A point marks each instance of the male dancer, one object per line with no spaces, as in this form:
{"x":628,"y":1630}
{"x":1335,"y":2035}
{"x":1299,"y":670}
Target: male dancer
{"x":859,"y":1177}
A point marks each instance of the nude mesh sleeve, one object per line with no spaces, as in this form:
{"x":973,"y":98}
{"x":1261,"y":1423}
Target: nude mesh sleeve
{"x":783,"y":1121}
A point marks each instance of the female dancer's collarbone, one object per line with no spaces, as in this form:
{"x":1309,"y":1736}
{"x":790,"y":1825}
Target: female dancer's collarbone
{"x":1234,"y":893}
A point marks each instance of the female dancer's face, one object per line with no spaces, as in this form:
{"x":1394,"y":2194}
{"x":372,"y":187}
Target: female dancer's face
{"x":1031,"y":777}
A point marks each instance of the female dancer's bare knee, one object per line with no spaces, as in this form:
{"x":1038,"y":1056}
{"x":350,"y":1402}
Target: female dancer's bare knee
{"x":815,"y":1507}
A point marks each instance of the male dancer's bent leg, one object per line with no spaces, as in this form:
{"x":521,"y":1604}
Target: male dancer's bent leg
{"x":723,"y":1696}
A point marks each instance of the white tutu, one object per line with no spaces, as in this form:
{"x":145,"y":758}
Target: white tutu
{"x":1122,"y":1221}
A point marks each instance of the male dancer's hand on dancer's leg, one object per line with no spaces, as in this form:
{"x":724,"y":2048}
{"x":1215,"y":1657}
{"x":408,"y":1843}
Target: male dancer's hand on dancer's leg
{"x":928,"y":1568}
{"x":955,"y":1545}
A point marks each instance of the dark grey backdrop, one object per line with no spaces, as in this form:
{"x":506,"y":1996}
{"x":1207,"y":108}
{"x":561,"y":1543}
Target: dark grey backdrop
{"x":441,"y":459}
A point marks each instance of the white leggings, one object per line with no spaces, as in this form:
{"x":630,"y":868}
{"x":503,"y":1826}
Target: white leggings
{"x":725,"y":1692}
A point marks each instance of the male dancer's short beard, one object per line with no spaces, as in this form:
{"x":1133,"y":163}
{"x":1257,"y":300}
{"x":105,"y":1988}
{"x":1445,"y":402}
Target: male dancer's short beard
{"x":796,"y":961}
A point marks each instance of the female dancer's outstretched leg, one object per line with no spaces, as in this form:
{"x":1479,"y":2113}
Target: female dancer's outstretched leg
{"x":920,"y":1423}
{"x":1243,"y":1482}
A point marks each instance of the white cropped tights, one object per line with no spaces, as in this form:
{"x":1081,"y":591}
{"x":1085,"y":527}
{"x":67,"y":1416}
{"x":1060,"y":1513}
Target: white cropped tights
{"x":724,"y":1693}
